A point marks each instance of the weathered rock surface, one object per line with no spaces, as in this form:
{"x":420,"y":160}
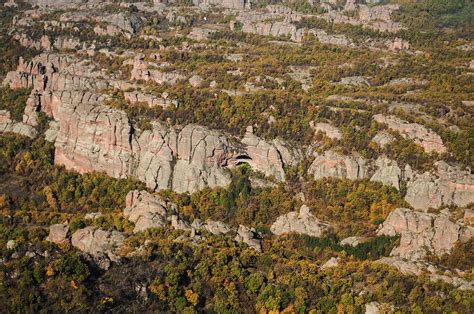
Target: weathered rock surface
{"x":263,"y":156}
{"x":388,"y":172}
{"x":352,"y":241}
{"x":9,"y":126}
{"x":331,"y":131}
{"x":145,"y":210}
{"x":302,"y":222}
{"x":429,"y":140}
{"x":332,"y":262}
{"x":335,"y":165}
{"x":421,"y":233}
{"x":58,"y":233}
{"x":250,"y":237}
{"x":100,"y":244}
{"x":383,"y":139}
{"x":446,"y":185}
{"x":417,"y":268}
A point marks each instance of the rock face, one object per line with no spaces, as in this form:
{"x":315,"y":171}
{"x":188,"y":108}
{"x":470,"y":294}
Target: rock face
{"x":9,"y":126}
{"x":302,"y":222}
{"x":422,"y":232}
{"x":250,"y":237}
{"x":429,"y":140}
{"x":331,"y":131}
{"x":446,"y":186}
{"x":388,"y":172}
{"x":263,"y":156}
{"x":335,"y":165}
{"x":332,"y":262}
{"x":58,"y":233}
{"x":145,"y":210}
{"x":100,"y":244}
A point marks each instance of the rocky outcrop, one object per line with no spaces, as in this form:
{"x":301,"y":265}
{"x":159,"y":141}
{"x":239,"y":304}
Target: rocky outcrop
{"x":148,"y":71}
{"x":388,"y":172}
{"x":145,"y":210}
{"x":58,"y":234}
{"x":263,"y":156}
{"x":421,"y":233}
{"x":335,"y":165}
{"x":331,"y":131}
{"x":250,"y":237}
{"x":417,"y":268}
{"x":302,"y":222}
{"x":383,"y":139}
{"x":101,"y":244}
{"x":352,"y":241}
{"x":149,"y":99}
{"x":332,"y":262}
{"x":200,"y":33}
{"x":7,"y":125}
{"x":446,"y":185}
{"x":426,"y":138}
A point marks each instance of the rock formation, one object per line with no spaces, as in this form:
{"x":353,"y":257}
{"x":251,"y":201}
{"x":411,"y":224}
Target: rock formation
{"x":446,"y":185}
{"x":249,"y":236}
{"x":145,"y":210}
{"x":331,"y":131}
{"x":102,"y":245}
{"x":58,"y":233}
{"x":417,"y":268}
{"x":429,"y":140}
{"x":421,"y":233}
{"x":335,"y":165}
{"x":7,"y":125}
{"x":302,"y":222}
{"x":388,"y":172}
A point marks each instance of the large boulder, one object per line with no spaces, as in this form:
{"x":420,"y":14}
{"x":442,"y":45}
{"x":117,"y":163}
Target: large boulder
{"x":145,"y":210}
{"x":102,"y":245}
{"x":58,"y":234}
{"x":302,"y":222}
{"x":421,"y":233}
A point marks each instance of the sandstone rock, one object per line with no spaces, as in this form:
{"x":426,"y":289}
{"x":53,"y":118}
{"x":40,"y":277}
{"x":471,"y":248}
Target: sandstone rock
{"x":429,"y":140}
{"x":150,"y":100}
{"x":388,"y":172}
{"x":179,"y":224}
{"x":92,"y":216}
{"x":98,"y":243}
{"x":250,"y":237}
{"x":383,"y":139}
{"x":354,"y":81}
{"x":263,"y":156}
{"x":199,"y":33}
{"x":195,"y":81}
{"x":9,"y":126}
{"x":145,"y":210}
{"x":352,"y":241}
{"x":417,"y":268}
{"x":302,"y":222}
{"x":331,"y":131}
{"x":216,"y":227}
{"x":58,"y":233}
{"x":335,"y":165}
{"x":422,"y":232}
{"x":332,"y":262}
{"x":52,"y":132}
{"x":446,"y":186}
